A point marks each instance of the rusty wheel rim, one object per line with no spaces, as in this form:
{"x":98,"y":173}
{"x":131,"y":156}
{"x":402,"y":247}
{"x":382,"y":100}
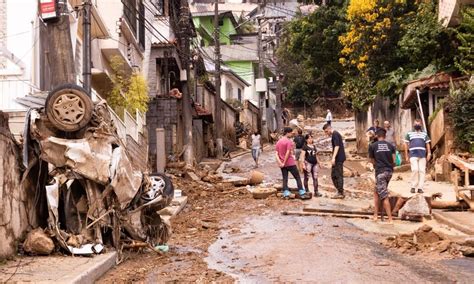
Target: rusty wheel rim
{"x":69,"y":109}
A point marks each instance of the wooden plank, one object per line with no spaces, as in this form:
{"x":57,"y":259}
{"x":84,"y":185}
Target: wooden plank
{"x":337,"y":211}
{"x":460,"y":163}
{"x":437,"y":128}
{"x":337,"y":215}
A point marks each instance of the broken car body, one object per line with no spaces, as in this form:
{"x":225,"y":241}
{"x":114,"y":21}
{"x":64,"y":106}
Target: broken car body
{"x":93,"y":194}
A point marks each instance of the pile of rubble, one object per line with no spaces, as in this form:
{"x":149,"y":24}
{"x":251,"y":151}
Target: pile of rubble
{"x":425,"y":240}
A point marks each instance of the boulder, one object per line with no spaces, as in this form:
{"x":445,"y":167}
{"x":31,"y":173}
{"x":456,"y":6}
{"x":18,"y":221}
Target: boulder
{"x":415,"y":207}
{"x":263,"y":192}
{"x":38,"y":242}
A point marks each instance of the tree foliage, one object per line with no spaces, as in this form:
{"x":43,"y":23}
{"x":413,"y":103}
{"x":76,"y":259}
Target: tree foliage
{"x":460,"y":108}
{"x":386,"y":42}
{"x":465,"y":36}
{"x":129,"y":91}
{"x":308,"y":54}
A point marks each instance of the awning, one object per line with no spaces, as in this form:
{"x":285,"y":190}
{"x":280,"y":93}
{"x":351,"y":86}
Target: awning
{"x":439,"y":81}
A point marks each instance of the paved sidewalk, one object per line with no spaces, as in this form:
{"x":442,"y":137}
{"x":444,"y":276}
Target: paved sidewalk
{"x":57,"y":269}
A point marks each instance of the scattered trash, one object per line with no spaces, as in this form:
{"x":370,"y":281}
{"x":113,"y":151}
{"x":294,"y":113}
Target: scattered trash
{"x":162,"y":248}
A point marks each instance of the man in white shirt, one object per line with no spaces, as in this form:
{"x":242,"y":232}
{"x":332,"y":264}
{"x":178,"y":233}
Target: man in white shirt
{"x":329,"y":117}
{"x":256,"y":147}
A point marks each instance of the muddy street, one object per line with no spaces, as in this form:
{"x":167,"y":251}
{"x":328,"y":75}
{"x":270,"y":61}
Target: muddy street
{"x":224,"y":235}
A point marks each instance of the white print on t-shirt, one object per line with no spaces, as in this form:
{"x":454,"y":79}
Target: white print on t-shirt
{"x":382,"y":148}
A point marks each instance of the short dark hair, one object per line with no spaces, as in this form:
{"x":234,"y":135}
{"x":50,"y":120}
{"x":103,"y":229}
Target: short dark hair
{"x":326,"y":126}
{"x":300,"y":131}
{"x":381,"y":132}
{"x":287,"y":130}
{"x":307,"y":136}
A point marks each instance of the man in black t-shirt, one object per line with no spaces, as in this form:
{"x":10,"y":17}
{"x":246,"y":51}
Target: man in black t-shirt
{"x":382,"y":156}
{"x":337,"y":161}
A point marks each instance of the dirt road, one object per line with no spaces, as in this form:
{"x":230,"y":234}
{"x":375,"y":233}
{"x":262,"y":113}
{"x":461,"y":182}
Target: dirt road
{"x":224,"y":235}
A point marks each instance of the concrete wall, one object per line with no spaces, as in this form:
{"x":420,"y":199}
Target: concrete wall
{"x":229,"y":116}
{"x":15,"y":204}
{"x":382,"y":110}
{"x":249,"y":115}
{"x":245,"y":69}
{"x":138,"y":151}
{"x":235,"y":85}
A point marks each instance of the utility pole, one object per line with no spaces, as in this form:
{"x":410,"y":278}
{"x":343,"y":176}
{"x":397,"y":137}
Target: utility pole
{"x":261,"y":75}
{"x":217,"y":83}
{"x":57,"y":59}
{"x":86,"y":54}
{"x":186,"y":101}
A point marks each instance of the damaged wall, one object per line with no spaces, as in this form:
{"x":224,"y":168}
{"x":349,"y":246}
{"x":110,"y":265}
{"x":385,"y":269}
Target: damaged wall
{"x":15,"y":203}
{"x":382,"y":110}
{"x":163,"y":112}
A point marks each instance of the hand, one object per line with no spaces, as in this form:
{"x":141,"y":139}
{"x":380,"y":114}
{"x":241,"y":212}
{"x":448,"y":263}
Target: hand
{"x":428,"y":157}
{"x":333,"y":162}
{"x":280,"y":164}
{"x":407,"y":159}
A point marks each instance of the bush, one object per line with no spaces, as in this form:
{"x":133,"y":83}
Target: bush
{"x":460,"y":108}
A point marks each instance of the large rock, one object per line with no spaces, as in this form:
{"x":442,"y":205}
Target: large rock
{"x":37,"y":242}
{"x":415,"y":207}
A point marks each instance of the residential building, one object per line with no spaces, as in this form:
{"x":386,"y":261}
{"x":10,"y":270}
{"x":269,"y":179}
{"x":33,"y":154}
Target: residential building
{"x":449,"y":11}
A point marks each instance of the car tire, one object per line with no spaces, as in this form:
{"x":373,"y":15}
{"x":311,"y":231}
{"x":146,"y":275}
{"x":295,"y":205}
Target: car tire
{"x":69,"y":108}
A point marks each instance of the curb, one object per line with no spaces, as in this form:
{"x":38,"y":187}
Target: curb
{"x":440,"y":218}
{"x":95,"y":272}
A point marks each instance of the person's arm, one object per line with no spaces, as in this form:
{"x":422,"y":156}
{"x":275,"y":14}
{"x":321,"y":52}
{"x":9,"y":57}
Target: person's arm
{"x":371,"y":156}
{"x":280,"y":164}
{"x":428,"y":151}
{"x":394,"y":158}
{"x":302,"y":155}
{"x":287,"y":155}
{"x":334,"y":155}
{"x":407,"y":144}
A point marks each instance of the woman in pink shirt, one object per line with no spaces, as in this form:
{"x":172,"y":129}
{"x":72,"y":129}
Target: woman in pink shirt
{"x":286,"y":161}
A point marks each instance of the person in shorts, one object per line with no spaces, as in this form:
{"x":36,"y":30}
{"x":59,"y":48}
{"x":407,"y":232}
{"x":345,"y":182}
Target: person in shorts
{"x":382,"y":156}
{"x":299,"y":143}
{"x":256,"y":147}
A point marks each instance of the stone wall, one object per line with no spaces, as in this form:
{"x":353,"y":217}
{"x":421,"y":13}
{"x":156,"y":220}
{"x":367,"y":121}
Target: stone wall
{"x":15,"y":204}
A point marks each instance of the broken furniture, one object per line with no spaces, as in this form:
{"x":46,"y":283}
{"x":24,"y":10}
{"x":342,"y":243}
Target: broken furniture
{"x":466,"y":190}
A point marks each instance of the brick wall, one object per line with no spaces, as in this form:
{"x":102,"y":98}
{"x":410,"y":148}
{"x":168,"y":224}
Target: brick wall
{"x":138,"y":152}
{"x":163,"y":112}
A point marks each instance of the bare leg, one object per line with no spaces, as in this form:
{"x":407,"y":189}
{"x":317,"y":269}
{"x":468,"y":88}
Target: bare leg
{"x":398,"y":205}
{"x":386,"y":206}
{"x":376,"y":205}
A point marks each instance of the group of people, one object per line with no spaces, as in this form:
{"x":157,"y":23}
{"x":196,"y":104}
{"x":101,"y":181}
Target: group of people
{"x":382,"y":153}
{"x":295,"y":153}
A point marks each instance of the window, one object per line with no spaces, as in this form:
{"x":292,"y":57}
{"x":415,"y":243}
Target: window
{"x":141,"y":25}
{"x":130,"y":13}
{"x":229,"y":90}
{"x":159,"y":6}
{"x":239,"y":94}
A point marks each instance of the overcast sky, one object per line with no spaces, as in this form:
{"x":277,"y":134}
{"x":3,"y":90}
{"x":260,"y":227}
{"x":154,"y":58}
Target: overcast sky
{"x":20,"y":15}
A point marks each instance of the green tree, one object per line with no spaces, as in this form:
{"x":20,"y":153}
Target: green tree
{"x":129,"y":91}
{"x":308,"y":54}
{"x":465,"y":35}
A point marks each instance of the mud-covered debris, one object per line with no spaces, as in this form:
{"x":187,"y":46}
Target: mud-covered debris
{"x":38,"y":242}
{"x":256,"y":177}
{"x":263,"y":192}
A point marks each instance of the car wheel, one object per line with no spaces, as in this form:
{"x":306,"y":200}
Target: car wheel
{"x":160,"y":185}
{"x":69,"y":108}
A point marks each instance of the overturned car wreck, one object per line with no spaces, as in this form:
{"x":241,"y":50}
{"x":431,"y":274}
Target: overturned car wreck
{"x":88,"y":193}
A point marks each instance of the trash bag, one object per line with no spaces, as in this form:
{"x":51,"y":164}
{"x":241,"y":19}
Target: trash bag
{"x":398,"y":158}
